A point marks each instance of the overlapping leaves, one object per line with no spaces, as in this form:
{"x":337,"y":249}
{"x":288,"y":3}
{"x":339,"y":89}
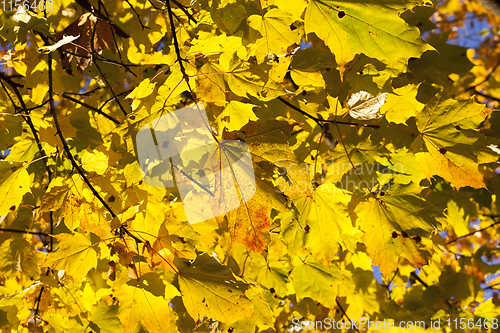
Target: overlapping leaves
{"x":122,"y":255}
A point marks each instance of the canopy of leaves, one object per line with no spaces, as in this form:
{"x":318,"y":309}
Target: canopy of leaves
{"x":340,"y":158}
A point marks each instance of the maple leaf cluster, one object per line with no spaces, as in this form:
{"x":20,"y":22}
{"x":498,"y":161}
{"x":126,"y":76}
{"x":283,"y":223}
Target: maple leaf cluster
{"x":247,"y":166}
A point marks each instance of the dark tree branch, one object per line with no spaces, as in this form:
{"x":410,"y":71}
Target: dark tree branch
{"x":137,"y":15}
{"x":88,"y":7}
{"x":176,"y":43}
{"x":65,"y":145}
{"x":112,"y":98}
{"x":65,"y":95}
{"x":101,"y":72}
{"x":87,"y":93}
{"x":11,"y":83}
{"x":345,"y":314}
{"x":178,"y":4}
{"x":71,"y":157}
{"x":299,"y":110}
{"x":487,"y":96}
{"x":417,"y":278}
{"x":492,"y":286}
{"x":111,"y":89}
{"x":23,"y":107}
{"x":321,"y":121}
{"x":38,"y":233}
{"x":90,"y":107}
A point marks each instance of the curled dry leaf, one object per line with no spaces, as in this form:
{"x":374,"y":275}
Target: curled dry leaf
{"x":90,"y":28}
{"x":363,"y":105}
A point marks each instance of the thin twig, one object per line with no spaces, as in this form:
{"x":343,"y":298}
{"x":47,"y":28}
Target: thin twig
{"x":111,"y":89}
{"x":345,"y":314}
{"x":42,"y":152}
{"x":181,"y":7}
{"x":473,"y":232}
{"x":67,"y":150}
{"x":138,"y":16}
{"x":101,"y":72}
{"x":90,"y":107}
{"x":416,"y":277}
{"x":486,"y":96}
{"x":112,"y":98}
{"x":492,"y":286}
{"x":87,"y":93}
{"x":112,"y":30}
{"x":176,"y":43}
{"x":86,"y":5}
{"x":104,"y":59}
{"x":39,"y":233}
{"x":26,"y":119}
{"x":321,"y":121}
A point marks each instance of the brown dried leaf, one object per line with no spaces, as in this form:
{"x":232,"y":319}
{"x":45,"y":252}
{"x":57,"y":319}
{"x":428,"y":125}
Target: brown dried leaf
{"x":90,"y":28}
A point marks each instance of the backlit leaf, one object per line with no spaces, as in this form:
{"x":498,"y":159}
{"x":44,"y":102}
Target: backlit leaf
{"x":145,"y":301}
{"x":14,"y":184}
{"x":210,"y":289}
{"x":350,"y":27}
{"x":74,"y":255}
{"x":454,"y":147}
{"x":363,"y":105}
{"x":394,"y":225}
{"x":316,"y":281}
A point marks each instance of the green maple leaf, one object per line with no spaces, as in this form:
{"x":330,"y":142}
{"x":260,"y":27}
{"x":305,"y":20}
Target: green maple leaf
{"x":351,"y":27}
